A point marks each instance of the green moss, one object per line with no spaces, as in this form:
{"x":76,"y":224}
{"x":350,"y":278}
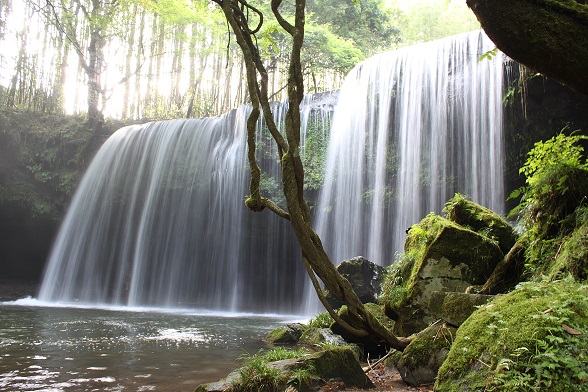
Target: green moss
{"x":572,"y":257}
{"x":400,"y":276}
{"x":432,"y":340}
{"x":481,"y":220}
{"x":287,"y":334}
{"x":521,"y":338}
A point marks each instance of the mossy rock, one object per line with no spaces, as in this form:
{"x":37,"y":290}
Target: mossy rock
{"x":573,"y":257}
{"x":455,"y":308}
{"x":420,"y":361}
{"x":533,"y":338}
{"x":333,"y":364}
{"x":287,"y":334}
{"x":441,"y":256}
{"x":321,"y":336}
{"x":481,"y":220}
{"x":306,"y":373}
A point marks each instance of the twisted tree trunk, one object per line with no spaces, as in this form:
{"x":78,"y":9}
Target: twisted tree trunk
{"x":318,"y":265}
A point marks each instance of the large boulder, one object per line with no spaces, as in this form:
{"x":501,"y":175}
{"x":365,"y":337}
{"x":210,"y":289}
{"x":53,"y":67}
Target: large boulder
{"x":440,"y":256}
{"x":455,"y":308}
{"x":305,"y":373}
{"x":572,"y":257}
{"x":533,"y":338}
{"x":365,"y":278}
{"x":480,"y":219}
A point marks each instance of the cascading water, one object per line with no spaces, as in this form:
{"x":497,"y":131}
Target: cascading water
{"x":159,"y":220}
{"x":411,"y":128}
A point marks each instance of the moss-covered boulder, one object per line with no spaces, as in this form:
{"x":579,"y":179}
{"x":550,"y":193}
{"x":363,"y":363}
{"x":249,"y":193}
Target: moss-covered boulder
{"x":304,"y":373}
{"x":321,"y":336}
{"x":440,"y":255}
{"x":455,"y":308}
{"x":333,"y":364}
{"x":573,"y":256}
{"x":287,"y":334}
{"x":533,"y":338}
{"x":420,"y":361}
{"x":481,"y":220}
{"x":365,"y":278}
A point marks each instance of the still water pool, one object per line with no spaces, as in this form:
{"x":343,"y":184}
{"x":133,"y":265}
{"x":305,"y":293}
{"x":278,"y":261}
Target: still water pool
{"x":81,"y":349}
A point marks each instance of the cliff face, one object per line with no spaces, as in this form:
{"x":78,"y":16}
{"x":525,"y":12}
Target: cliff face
{"x":544,"y":35}
{"x":537,"y":108}
{"x":42,"y":157}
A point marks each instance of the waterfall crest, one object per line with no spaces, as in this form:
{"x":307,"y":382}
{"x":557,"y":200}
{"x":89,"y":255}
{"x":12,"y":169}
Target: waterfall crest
{"x":411,"y":128}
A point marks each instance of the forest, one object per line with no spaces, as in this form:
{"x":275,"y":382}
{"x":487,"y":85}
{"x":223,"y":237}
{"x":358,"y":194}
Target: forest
{"x":375,"y":194}
{"x":142,"y":59}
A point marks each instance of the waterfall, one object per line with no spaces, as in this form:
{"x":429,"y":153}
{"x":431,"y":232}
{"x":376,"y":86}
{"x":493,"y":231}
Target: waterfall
{"x":159,"y":220}
{"x":411,"y":128}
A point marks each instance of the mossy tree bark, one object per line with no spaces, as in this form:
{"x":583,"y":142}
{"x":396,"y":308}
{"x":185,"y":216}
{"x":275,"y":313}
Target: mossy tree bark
{"x":548,"y":36}
{"x":239,"y":14}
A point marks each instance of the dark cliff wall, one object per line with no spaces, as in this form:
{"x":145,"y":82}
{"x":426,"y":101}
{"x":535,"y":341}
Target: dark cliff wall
{"x":42,"y":157}
{"x":537,"y":109}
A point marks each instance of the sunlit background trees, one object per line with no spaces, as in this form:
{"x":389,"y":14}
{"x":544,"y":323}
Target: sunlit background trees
{"x":138,"y":59}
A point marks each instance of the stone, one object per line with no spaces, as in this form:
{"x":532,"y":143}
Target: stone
{"x":420,"y":361}
{"x":520,"y":330}
{"x":440,"y":256}
{"x":365,"y":278}
{"x":482,"y":220}
{"x":287,"y":334}
{"x":222,"y":385}
{"x":333,"y":364}
{"x":455,"y":308}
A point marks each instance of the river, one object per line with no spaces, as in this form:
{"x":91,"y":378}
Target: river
{"x":87,"y":349}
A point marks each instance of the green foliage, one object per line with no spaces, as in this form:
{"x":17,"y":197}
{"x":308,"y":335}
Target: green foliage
{"x":557,"y":186}
{"x":320,"y":320}
{"x":531,"y":339}
{"x":257,"y":375}
{"x":426,"y":20}
{"x":41,"y":160}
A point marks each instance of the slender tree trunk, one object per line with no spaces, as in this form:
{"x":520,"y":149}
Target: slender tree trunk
{"x":318,"y":265}
{"x":129,"y":62}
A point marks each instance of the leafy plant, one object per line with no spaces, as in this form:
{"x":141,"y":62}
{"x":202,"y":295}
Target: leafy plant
{"x":556,"y":187}
{"x":320,"y":320}
{"x":257,"y":375}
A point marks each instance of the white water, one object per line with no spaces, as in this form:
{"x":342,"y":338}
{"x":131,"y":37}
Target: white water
{"x":411,"y":128}
{"x":159,"y":221}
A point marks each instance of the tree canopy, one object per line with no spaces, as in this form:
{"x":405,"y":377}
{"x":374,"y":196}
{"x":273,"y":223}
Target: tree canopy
{"x":170,"y":58}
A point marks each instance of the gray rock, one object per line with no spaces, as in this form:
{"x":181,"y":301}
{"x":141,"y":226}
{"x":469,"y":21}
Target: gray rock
{"x":445,"y":257}
{"x":420,"y":361}
{"x":365,"y":278}
{"x":287,"y":334}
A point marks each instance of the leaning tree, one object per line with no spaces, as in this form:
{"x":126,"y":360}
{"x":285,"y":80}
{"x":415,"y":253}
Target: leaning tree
{"x":246,"y":21}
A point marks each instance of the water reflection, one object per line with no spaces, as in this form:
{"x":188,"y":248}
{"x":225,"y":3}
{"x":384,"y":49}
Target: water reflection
{"x":70,"y":349}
